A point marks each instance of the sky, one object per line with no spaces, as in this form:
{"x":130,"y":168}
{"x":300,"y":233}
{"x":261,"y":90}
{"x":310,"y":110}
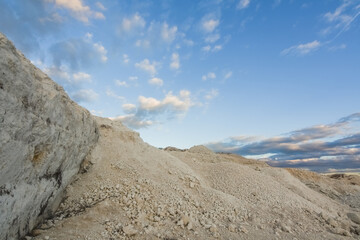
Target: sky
{"x":276,"y":80}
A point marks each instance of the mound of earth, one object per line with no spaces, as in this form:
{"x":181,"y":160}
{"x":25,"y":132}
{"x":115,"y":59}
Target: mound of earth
{"x":131,"y":190}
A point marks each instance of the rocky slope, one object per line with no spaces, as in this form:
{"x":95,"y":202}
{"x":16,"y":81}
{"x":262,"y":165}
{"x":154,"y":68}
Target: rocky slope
{"x":127,"y":189}
{"x":44,"y":136}
{"x":131,"y":190}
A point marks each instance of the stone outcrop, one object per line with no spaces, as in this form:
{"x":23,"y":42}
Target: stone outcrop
{"x":44,"y":137}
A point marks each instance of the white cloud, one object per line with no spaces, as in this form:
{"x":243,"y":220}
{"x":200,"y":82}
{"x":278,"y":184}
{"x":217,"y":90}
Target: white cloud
{"x":100,"y":6}
{"x":149,"y":109}
{"x":228,"y":75}
{"x":208,"y":48}
{"x":133,"y":78}
{"x":179,"y":103}
{"x":81,"y":77}
{"x":88,"y":36}
{"x":212,"y":38}
{"x":210,"y":75}
{"x":210,"y":25}
{"x":121,"y":83}
{"x":126,"y":58}
{"x":129,"y":108}
{"x":102,"y":51}
{"x":147,"y":66}
{"x":168,"y":34}
{"x":85,"y":95}
{"x":142,"y":43}
{"x":78,"y":9}
{"x":114,"y":95}
{"x":338,"y":47}
{"x":211,"y":94}
{"x":136,"y":21}
{"x":243,"y":4}
{"x":156,"y":81}
{"x":217,"y":48}
{"x":189,"y":42}
{"x":175,"y":61}
{"x":302,"y":49}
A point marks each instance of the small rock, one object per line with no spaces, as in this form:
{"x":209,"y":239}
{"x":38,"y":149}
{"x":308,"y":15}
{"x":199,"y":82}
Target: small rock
{"x":232,"y":228}
{"x":28,"y":238}
{"x":285,"y":228}
{"x":354,"y":217}
{"x":243,"y":230}
{"x":331,"y":222}
{"x":46,"y":237}
{"x":129,"y":230}
{"x":192,"y":185}
{"x":185,"y":219}
{"x":190,"y":226}
{"x":213,"y":229}
{"x":36,"y":232}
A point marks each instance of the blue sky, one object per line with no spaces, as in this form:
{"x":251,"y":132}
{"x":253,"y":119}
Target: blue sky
{"x":244,"y":76}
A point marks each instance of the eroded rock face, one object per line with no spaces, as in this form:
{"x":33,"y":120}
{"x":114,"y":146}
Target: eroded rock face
{"x":44,"y":136}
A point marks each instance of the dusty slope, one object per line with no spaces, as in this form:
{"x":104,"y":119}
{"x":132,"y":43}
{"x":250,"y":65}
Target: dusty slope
{"x":133,"y":190}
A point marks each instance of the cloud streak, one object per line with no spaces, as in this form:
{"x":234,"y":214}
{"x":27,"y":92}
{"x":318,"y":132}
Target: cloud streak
{"x":302,"y":49}
{"x":314,"y":147}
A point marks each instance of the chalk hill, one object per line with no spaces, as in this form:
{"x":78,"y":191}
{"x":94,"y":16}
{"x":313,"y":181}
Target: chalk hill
{"x":127,"y":189}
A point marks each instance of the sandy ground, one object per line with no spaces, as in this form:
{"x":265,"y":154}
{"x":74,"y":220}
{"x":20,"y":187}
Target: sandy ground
{"x":131,"y":190}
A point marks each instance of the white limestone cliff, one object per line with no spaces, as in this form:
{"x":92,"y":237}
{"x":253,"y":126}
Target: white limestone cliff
{"x":44,"y":137}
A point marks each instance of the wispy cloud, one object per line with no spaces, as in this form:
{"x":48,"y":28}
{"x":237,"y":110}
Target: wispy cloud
{"x":212,"y":38}
{"x":100,"y":6}
{"x":82,"y":77}
{"x":85,"y":95}
{"x":213,"y":93}
{"x":342,"y":18}
{"x":243,"y":4}
{"x":78,"y":53}
{"x":209,"y":48}
{"x":147,"y":66}
{"x":337,"y":47}
{"x":149,"y":111}
{"x":210,"y":25}
{"x":315,"y":147}
{"x":209,"y":75}
{"x":302,"y":49}
{"x":114,"y":95}
{"x":121,"y":83}
{"x":228,"y":75}
{"x":134,"y":22}
{"x":175,"y":61}
{"x":168,"y":34}
{"x":126,"y":58}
